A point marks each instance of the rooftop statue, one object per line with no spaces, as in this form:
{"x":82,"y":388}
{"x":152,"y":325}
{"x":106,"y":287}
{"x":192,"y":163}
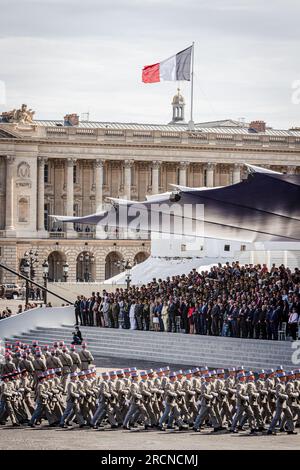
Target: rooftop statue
{"x":22,"y":116}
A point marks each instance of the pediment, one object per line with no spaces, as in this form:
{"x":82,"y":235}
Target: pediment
{"x":6,"y":135}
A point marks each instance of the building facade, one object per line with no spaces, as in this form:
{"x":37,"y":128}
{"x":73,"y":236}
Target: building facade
{"x":68,"y":167}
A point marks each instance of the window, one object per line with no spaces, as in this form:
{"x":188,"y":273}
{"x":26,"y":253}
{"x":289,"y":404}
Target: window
{"x":183,"y":247}
{"x":75,"y":175}
{"x":23,"y":211}
{"x":243,"y":247}
{"x":205,"y":178}
{"x":178,"y":176}
{"x":46,"y":216}
{"x":226,"y":247}
{"x":46,"y":173}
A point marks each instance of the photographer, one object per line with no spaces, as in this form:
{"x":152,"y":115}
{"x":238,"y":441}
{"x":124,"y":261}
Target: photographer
{"x":77,"y":336}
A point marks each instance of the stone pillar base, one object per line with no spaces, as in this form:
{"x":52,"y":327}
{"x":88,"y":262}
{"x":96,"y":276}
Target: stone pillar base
{"x":10,"y":233}
{"x":42,"y":234}
{"x":71,"y":233}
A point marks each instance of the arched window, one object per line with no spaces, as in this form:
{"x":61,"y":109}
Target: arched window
{"x":113,"y":264}
{"x":86,"y":267}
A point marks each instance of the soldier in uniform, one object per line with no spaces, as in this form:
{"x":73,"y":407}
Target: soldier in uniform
{"x":243,"y":408}
{"x":206,"y":411}
{"x":222,"y":404}
{"x":39,"y":365}
{"x":42,"y":401}
{"x":122,"y":389}
{"x":254,"y":395}
{"x":282,"y":408}
{"x":293,"y":397}
{"x":7,"y":394}
{"x":8,"y":367}
{"x":104,"y":409}
{"x":76,"y":367}
{"x":72,"y":404}
{"x":26,"y":390}
{"x":136,"y":408}
{"x":86,"y":357}
{"x":67,"y":363}
{"x":26,"y":363}
{"x":52,"y":361}
{"x":171,"y":407}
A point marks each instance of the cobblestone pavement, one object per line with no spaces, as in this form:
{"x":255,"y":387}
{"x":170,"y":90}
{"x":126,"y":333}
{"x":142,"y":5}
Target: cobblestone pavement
{"x":105,"y":439}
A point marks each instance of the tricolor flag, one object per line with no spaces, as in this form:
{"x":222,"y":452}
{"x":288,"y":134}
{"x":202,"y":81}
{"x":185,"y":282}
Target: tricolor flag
{"x":177,"y":67}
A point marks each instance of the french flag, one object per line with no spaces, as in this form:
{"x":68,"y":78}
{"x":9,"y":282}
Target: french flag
{"x":177,"y":67}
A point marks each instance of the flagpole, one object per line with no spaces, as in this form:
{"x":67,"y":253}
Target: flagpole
{"x":191,"y":124}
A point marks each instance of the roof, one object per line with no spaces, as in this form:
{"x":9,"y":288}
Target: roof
{"x":226,"y":126}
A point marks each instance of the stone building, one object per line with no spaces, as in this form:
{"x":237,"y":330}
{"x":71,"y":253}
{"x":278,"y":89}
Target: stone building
{"x":69,"y":167}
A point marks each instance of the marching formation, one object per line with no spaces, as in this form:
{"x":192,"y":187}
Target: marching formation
{"x":61,"y":386}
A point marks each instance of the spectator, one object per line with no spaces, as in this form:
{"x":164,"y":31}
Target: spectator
{"x":231,"y":300}
{"x":293,"y":323}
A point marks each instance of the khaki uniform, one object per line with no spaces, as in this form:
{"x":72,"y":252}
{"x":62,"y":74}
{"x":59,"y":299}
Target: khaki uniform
{"x":76,"y":361}
{"x":67,"y":363}
{"x":86,"y":358}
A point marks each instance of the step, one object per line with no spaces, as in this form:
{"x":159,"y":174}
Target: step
{"x":169,"y":339}
{"x":94,"y":344}
{"x":170,"y":348}
{"x":109,"y":350}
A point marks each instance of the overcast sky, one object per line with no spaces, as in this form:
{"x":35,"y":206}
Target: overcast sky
{"x":64,"y":56}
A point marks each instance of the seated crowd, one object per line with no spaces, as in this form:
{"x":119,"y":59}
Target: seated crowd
{"x":249,"y":301}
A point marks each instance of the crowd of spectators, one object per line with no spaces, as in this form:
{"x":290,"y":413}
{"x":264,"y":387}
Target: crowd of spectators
{"x":249,"y":301}
{"x":8,"y":312}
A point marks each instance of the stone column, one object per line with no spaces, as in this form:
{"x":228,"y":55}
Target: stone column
{"x":127,"y":178}
{"x":183,"y":173}
{"x":98,"y":168}
{"x":210,"y":169}
{"x":236,"y":173}
{"x":9,"y":207}
{"x":41,"y":195}
{"x":155,"y":177}
{"x":70,"y":194}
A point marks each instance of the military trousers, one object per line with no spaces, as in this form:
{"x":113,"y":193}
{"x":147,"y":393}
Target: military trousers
{"x":287,"y":418}
{"x":243,"y":413}
{"x":206,"y":412}
{"x":72,"y":408}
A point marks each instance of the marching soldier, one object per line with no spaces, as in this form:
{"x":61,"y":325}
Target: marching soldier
{"x":7,"y":394}
{"x":52,"y":361}
{"x":72,"y":405}
{"x":86,"y":357}
{"x":67,"y":363}
{"x":39,"y":365}
{"x":136,"y":408}
{"x":41,"y":399}
{"x":243,"y":408}
{"x":104,"y":408}
{"x":254,"y":395}
{"x":26,"y":363}
{"x":75,"y":358}
{"x":206,"y":411}
{"x":282,"y":409}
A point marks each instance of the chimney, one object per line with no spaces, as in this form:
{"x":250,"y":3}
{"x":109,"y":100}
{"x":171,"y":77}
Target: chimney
{"x":257,"y":126}
{"x":71,"y":119}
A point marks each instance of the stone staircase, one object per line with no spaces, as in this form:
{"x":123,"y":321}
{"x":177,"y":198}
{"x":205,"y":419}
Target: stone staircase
{"x":170,"y":348}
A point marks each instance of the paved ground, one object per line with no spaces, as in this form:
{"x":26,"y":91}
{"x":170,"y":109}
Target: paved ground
{"x":74,"y":438}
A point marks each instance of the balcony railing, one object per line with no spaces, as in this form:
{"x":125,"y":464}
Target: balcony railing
{"x":57,"y":234}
